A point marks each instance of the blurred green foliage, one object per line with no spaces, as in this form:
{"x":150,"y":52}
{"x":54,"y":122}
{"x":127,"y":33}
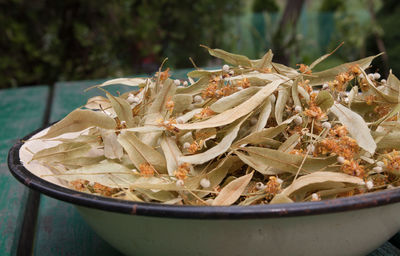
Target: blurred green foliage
{"x":389,"y":22}
{"x":265,"y":6}
{"x":44,"y":41}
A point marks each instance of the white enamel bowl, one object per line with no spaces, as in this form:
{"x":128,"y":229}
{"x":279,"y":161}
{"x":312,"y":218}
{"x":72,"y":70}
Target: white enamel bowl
{"x":347,"y":226}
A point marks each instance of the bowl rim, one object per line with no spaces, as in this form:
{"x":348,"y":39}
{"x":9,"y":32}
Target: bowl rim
{"x":368,"y":200}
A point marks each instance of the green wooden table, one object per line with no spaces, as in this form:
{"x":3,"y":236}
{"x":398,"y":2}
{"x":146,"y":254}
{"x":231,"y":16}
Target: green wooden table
{"x":33,"y":223}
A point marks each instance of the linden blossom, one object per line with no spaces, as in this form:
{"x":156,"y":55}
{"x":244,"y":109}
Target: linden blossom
{"x":251,"y":132}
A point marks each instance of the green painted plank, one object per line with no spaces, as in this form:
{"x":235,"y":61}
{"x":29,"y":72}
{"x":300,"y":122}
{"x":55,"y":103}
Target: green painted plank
{"x":21,"y":111}
{"x":71,"y":95}
{"x":62,"y":231}
{"x":395,"y":240}
{"x":60,"y":228}
{"x":387,"y":249}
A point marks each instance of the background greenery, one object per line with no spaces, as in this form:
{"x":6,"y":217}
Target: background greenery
{"x":44,"y":41}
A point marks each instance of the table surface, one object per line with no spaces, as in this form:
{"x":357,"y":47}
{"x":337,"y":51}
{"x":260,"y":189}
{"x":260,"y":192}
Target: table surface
{"x":33,"y":223}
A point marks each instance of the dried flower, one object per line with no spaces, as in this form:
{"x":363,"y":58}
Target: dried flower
{"x":369,"y":184}
{"x":197,"y":99}
{"x":205,"y":112}
{"x":353,"y":168}
{"x":260,"y":186}
{"x":205,"y":183}
{"x":315,"y":112}
{"x":186,"y":145}
{"x":377,"y":169}
{"x":147,"y":169}
{"x":180,"y":183}
{"x":79,"y":184}
{"x":370,"y":99}
{"x":315,"y":197}
{"x":298,"y":120}
{"x":371,"y":76}
{"x":340,"y":159}
{"x":273,"y":186}
{"x":182,"y":171}
{"x":133,"y":99}
{"x":163,"y":75}
{"x":304,"y":69}
{"x":377,"y":76}
{"x":326,"y":125}
{"x":298,"y":109}
{"x":169,"y":105}
{"x":195,"y":146}
{"x":244,"y":83}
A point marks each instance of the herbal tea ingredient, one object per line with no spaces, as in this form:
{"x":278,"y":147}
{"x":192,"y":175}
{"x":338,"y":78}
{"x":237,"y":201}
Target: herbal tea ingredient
{"x":252,"y":132}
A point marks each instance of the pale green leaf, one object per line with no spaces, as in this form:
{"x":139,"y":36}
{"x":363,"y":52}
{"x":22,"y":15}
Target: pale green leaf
{"x":352,"y":94}
{"x":265,"y":112}
{"x":167,"y":91}
{"x":281,"y":199}
{"x":151,"y":137}
{"x":230,"y":58}
{"x":217,"y":150}
{"x":231,"y":192}
{"x":265,"y":61}
{"x":140,"y":153}
{"x":295,"y":92}
{"x":324,"y":100}
{"x":388,"y":98}
{"x":98,"y":102}
{"x":106,"y":173}
{"x":263,"y":158}
{"x":195,"y":88}
{"x":235,"y":113}
{"x":310,"y":180}
{"x":290,"y":143}
{"x":261,"y":136}
{"x":201,"y":73}
{"x":66,"y":150}
{"x":124,"y":81}
{"x":233,"y":100}
{"x":172,"y":154}
{"x":356,"y":126}
{"x":161,"y":196}
{"x":112,"y":148}
{"x":182,"y":102}
{"x":122,"y":109}
{"x":79,"y":120}
{"x":283,"y":97}
{"x":319,"y":78}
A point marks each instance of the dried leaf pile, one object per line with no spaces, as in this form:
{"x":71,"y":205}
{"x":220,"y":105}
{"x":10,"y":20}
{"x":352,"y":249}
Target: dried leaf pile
{"x":252,"y":132}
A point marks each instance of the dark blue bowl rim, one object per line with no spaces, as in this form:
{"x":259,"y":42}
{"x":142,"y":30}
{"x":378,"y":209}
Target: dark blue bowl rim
{"x":358,"y":202}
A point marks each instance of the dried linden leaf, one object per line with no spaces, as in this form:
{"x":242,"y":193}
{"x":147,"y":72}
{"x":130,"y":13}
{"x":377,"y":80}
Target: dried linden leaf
{"x":356,"y":126}
{"x":231,"y":192}
{"x":79,"y":120}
